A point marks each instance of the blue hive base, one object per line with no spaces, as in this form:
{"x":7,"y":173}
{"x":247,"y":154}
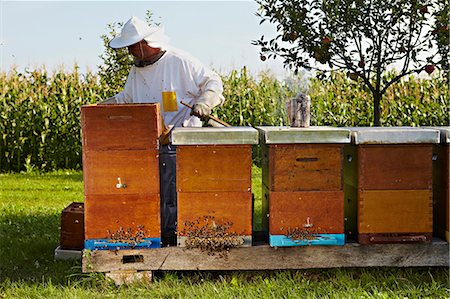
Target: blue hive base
{"x":321,"y":239}
{"x":106,"y":244}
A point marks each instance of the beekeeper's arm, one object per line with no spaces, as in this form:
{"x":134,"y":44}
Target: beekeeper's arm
{"x":211,"y":89}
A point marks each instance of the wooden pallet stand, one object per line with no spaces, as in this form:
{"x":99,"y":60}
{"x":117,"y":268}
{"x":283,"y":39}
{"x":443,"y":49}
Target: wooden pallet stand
{"x":263,"y":257}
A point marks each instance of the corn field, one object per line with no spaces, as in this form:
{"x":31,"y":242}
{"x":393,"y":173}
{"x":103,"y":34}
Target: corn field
{"x":339,"y":101}
{"x":40,"y":118}
{"x":40,"y":115}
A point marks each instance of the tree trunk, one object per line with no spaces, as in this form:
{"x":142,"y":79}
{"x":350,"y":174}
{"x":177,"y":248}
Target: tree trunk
{"x":376,"y":109}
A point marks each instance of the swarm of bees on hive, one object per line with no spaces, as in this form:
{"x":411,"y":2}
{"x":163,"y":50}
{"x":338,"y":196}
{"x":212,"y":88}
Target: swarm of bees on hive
{"x":128,"y":235}
{"x":211,"y":236}
{"x":302,"y":234}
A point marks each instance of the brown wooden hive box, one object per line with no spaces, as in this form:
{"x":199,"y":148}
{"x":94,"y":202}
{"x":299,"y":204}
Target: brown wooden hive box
{"x":303,"y":167}
{"x":389,"y":185}
{"x":72,"y":227}
{"x":305,"y":180}
{"x":324,"y":209}
{"x":303,"y":183}
{"x":120,"y":168}
{"x":214,"y":178}
{"x":213,"y":168}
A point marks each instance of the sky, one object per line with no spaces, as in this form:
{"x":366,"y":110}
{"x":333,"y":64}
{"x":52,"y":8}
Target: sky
{"x":61,"y":33}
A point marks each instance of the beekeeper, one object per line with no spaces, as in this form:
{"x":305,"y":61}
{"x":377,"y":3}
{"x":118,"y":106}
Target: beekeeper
{"x":165,"y":75}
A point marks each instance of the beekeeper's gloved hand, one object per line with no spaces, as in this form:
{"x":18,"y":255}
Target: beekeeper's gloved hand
{"x":208,"y":100}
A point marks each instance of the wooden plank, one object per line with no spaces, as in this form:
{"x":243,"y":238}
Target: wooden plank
{"x":118,"y":127}
{"x":235,"y":207}
{"x":394,"y":167}
{"x":214,"y":168}
{"x":110,"y":212}
{"x":269,"y":258}
{"x":324,"y":209}
{"x":137,"y":169}
{"x":395,"y":211}
{"x":302,"y":167}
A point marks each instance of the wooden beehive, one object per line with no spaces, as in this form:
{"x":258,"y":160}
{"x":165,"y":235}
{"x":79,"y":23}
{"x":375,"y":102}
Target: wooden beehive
{"x":303,"y":185}
{"x":441,"y":188}
{"x":121,"y":174}
{"x":388,"y":185}
{"x":214,"y":178}
{"x":72,"y":227}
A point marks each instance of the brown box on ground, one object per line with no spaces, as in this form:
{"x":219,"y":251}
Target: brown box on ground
{"x":121,"y":168}
{"x":72,"y":227}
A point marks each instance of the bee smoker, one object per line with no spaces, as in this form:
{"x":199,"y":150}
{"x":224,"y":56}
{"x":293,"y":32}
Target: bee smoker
{"x":299,"y":110}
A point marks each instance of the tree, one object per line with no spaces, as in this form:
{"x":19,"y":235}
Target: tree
{"x":116,"y":62}
{"x":441,"y":35}
{"x":366,"y":38}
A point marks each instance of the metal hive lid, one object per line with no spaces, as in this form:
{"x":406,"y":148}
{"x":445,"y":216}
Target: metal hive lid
{"x":393,"y":135}
{"x":444,"y":133}
{"x":315,"y":134}
{"x":209,"y":135}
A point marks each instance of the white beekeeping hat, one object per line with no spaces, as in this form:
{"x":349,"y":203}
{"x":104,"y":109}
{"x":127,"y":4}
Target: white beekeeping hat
{"x":136,"y":30}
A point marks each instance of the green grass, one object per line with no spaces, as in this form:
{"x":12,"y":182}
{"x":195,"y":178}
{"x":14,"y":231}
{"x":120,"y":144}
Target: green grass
{"x":30,"y":207}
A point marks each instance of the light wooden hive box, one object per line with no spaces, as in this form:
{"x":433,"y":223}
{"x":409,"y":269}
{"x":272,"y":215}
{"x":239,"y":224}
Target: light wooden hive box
{"x":302,"y":172}
{"x":388,"y":184}
{"x":441,"y":188}
{"x":121,"y":173}
{"x":214,"y":169}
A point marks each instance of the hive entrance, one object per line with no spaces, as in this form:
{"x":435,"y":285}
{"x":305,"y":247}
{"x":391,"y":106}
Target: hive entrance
{"x":130,"y":236}
{"x":302,"y":234}
{"x":211,"y":235}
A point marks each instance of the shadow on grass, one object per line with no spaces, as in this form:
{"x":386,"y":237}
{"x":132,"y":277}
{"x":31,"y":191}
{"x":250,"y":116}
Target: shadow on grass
{"x":28,"y":242}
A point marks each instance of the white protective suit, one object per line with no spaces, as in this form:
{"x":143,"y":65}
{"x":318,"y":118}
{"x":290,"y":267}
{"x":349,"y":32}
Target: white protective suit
{"x":178,"y":72}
